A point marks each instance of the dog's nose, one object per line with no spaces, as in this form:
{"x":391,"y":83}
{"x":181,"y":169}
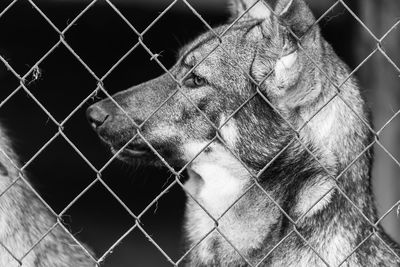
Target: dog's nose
{"x":96,"y":116}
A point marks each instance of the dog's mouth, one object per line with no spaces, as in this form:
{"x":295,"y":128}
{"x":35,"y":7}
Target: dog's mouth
{"x":136,"y":150}
{"x":131,"y":151}
{"x":140,"y":151}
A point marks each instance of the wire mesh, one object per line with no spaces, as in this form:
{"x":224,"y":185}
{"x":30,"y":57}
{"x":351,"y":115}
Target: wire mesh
{"x":23,"y":86}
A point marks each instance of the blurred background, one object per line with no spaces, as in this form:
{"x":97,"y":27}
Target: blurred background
{"x":100,"y":37}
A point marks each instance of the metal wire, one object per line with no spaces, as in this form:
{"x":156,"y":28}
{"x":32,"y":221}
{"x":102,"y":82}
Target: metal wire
{"x":136,"y":225}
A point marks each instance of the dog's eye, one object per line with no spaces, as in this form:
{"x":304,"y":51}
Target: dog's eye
{"x":194,"y":81}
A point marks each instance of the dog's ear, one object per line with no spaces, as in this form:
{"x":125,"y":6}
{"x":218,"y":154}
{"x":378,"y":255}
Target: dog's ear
{"x":286,"y":23}
{"x":252,"y":9}
{"x":294,"y":14}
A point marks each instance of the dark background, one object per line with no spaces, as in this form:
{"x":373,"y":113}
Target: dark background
{"x":101,"y":38}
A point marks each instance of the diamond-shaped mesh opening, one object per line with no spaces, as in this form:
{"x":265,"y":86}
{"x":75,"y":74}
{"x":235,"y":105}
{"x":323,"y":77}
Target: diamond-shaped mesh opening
{"x":38,"y":128}
{"x":99,"y":44}
{"x":60,"y":74}
{"x":97,"y":211}
{"x":137,"y":67}
{"x":21,"y":25}
{"x":76,"y":174}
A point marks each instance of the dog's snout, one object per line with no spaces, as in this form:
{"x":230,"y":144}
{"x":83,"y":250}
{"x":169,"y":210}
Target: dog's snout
{"x":96,"y":116}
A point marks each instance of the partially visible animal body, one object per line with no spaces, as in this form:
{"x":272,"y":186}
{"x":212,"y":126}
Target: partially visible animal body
{"x":24,"y":221}
{"x":293,"y":212}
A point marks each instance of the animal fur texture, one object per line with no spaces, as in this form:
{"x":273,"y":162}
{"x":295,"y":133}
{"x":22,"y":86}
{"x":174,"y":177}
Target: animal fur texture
{"x":238,"y":212}
{"x":24,"y":220}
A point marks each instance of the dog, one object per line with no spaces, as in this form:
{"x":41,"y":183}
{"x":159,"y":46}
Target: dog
{"x":29,"y":235}
{"x":275,"y":150}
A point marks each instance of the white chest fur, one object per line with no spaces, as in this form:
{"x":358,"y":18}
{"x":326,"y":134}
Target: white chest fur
{"x":215,"y":187}
{"x":216,"y":178}
{"x":216,"y":181}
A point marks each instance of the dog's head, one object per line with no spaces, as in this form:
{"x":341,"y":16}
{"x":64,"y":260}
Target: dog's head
{"x":210,"y":95}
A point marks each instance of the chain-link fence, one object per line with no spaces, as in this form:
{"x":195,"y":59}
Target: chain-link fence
{"x":28,"y":77}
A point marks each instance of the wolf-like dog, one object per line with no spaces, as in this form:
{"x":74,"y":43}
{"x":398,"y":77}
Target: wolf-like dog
{"x":28,"y":235}
{"x":279,"y":173}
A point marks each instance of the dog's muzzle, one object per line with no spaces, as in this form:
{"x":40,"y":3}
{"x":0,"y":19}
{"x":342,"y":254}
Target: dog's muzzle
{"x":96,"y":116}
{"x":113,"y":133}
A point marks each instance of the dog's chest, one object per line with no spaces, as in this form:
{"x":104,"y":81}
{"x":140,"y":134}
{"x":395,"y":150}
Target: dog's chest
{"x":217,"y":191}
{"x":215,"y":187}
